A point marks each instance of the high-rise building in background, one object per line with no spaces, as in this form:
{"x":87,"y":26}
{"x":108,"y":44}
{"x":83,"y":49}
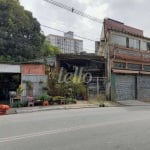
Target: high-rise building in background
{"x":97,"y":46}
{"x":66,"y":43}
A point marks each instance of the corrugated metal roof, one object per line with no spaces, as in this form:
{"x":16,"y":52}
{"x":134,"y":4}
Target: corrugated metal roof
{"x":48,"y":60}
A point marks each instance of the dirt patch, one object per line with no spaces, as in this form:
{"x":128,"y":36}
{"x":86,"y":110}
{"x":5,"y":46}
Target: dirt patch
{"x":103,"y":102}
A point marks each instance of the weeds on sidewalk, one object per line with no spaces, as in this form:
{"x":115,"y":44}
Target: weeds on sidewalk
{"x":102,"y":101}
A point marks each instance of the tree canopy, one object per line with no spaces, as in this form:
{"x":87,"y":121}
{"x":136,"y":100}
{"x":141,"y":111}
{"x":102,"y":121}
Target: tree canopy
{"x":20,"y":33}
{"x":48,"y":49}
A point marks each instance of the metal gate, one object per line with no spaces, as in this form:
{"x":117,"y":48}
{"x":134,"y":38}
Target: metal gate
{"x":143,"y":87}
{"x":125,"y":87}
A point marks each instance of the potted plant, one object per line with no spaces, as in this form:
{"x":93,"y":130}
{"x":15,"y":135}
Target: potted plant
{"x":44,"y":97}
{"x":45,"y":88}
{"x":29,"y":87}
{"x":19,"y":90}
{"x":3,"y":109}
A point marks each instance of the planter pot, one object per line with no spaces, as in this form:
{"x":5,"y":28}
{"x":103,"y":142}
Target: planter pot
{"x":85,"y":98}
{"x":45,"y":103}
{"x":3,"y":112}
{"x":3,"y":109}
{"x":38,"y":102}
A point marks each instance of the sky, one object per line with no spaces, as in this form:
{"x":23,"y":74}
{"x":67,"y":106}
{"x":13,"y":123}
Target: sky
{"x":134,"y":13}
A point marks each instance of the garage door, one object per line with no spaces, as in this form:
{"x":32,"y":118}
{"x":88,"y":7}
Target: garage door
{"x":125,"y":87}
{"x":143,"y":87}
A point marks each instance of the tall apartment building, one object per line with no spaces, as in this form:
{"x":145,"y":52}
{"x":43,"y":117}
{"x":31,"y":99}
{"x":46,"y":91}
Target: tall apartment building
{"x":127,"y":52}
{"x":66,"y":43}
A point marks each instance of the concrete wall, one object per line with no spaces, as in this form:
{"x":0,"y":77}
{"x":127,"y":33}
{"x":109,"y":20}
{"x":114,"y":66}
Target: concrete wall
{"x":35,"y":74}
{"x":37,"y":82}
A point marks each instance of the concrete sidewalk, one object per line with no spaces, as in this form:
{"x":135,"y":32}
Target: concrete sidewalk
{"x":134,"y":103}
{"x":80,"y":104}
{"x":51,"y":107}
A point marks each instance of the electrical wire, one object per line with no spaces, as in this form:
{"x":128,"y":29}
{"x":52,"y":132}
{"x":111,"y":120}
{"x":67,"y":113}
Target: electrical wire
{"x":64,"y":32}
{"x":73,"y":10}
{"x":85,"y":49}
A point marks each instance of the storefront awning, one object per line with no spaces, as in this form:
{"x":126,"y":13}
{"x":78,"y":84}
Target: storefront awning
{"x":130,"y":71}
{"x":125,"y":71}
{"x":144,"y":72}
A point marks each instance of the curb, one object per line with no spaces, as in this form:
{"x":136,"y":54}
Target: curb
{"x":134,"y":103}
{"x":16,"y":111}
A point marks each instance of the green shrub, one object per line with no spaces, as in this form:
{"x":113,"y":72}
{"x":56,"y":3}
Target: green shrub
{"x":58,"y":97}
{"x":70,"y":100}
{"x":19,"y":104}
{"x":44,"y":96}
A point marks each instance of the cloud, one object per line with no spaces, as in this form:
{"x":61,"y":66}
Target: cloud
{"x":132,"y":12}
{"x":53,"y":16}
{"x":84,"y":1}
{"x":99,"y":11}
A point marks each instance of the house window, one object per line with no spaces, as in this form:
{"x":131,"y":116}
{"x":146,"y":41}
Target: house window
{"x":133,"y":43}
{"x":134,"y":66}
{"x":127,"y":42}
{"x":143,"y":45}
{"x":58,"y":41}
{"x":119,"y":40}
{"x":119,"y":65}
{"x":146,"y":68}
{"x":137,"y":44}
{"x":148,"y":46}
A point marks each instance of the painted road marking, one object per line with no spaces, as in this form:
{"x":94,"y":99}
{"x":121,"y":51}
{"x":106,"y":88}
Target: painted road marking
{"x":65,"y":130}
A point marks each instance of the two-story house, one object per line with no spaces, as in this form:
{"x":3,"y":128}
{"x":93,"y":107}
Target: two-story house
{"x":127,"y":52}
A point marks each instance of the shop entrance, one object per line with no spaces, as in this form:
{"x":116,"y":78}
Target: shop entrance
{"x":8,"y":82}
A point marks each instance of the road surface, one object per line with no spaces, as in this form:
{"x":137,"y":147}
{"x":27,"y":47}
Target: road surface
{"x":116,"y":128}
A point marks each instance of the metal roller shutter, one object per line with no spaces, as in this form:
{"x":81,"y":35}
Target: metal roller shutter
{"x":125,"y":87}
{"x":143,"y":87}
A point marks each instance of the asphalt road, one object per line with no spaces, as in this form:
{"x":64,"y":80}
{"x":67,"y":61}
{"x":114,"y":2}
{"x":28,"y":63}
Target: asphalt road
{"x":117,"y":128}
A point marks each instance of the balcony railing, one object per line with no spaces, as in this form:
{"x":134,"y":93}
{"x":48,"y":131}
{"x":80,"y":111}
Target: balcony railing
{"x":127,"y":54}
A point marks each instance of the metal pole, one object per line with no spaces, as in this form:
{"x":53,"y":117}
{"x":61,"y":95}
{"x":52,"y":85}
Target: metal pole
{"x":97,"y":86}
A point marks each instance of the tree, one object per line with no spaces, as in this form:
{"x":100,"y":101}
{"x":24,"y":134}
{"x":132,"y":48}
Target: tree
{"x":73,"y":88}
{"x":49,"y":50}
{"x":20,"y":37}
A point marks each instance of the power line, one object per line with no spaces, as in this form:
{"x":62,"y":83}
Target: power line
{"x":75,"y":35}
{"x":52,"y":28}
{"x":73,"y":10}
{"x":64,"y":32}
